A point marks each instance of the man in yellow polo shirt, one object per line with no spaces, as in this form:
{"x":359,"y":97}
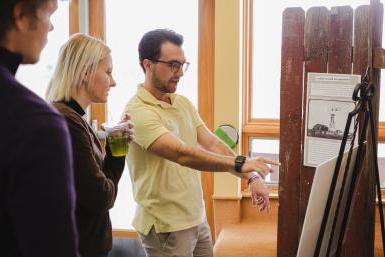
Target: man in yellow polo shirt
{"x":171,"y":145}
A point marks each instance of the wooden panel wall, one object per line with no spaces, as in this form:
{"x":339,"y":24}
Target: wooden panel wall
{"x":375,"y":29}
{"x":290,"y":129}
{"x":340,"y":40}
{"x":359,"y":228}
{"x":316,"y":54}
{"x":325,"y":37}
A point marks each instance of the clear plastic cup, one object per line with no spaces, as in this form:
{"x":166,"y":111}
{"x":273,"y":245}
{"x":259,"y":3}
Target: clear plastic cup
{"x":118,"y":139}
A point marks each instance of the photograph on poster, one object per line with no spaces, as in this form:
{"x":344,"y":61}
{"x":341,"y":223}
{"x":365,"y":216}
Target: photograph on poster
{"x":327,"y":119}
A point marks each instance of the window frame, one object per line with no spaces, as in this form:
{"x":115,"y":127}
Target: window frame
{"x":262,"y":128}
{"x":252,"y":127}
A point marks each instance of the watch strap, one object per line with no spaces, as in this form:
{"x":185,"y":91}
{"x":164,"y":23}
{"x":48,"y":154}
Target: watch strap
{"x":239,"y":161}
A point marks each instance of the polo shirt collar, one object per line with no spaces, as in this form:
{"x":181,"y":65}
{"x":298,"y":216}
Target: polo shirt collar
{"x":148,"y":98}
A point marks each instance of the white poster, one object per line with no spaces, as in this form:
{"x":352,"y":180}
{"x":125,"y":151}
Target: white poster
{"x":328,"y":103}
{"x":317,"y":203}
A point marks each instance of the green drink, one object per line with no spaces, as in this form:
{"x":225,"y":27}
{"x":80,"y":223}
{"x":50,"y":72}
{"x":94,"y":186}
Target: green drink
{"x":118,"y":144}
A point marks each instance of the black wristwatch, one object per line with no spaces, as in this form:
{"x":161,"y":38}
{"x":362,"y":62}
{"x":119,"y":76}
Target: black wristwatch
{"x":239,"y":161}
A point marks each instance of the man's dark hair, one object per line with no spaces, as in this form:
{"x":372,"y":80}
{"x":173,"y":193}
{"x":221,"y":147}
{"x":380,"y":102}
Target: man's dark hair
{"x":7,"y":20}
{"x":149,"y":45}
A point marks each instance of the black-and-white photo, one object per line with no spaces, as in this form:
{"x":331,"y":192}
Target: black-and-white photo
{"x":327,"y":119}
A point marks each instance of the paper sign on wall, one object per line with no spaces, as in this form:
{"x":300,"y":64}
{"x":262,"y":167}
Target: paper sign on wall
{"x":328,"y":103}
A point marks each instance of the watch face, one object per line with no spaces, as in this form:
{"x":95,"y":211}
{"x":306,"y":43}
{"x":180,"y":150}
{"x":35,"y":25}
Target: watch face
{"x":239,"y":161}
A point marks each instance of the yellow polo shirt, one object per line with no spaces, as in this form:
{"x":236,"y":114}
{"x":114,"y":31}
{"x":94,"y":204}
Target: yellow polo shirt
{"x":168,"y":195}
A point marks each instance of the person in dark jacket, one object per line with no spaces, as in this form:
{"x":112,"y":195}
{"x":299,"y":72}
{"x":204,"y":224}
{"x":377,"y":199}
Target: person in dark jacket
{"x":37,"y":197}
{"x":83,"y":76}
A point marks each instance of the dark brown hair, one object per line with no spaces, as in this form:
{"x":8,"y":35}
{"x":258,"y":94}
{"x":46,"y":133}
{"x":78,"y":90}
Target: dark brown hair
{"x":149,"y":46}
{"x":7,"y":20}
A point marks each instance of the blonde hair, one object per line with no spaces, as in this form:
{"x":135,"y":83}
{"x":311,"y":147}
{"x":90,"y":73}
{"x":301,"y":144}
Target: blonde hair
{"x":76,"y":67}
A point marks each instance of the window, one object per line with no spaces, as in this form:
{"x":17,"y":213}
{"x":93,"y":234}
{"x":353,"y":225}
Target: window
{"x":270,"y":150}
{"x":262,"y":74}
{"x":36,"y":77}
{"x":125,"y":25}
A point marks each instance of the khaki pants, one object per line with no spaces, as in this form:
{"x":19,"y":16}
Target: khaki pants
{"x":192,"y":242}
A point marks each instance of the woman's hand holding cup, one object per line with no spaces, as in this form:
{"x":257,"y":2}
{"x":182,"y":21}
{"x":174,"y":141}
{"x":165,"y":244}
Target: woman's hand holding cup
{"x":119,"y":136}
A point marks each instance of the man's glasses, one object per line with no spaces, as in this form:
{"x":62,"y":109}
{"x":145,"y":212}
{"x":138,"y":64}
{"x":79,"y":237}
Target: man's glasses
{"x":175,"y":66}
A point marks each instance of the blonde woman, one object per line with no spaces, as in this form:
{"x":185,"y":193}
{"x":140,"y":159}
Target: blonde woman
{"x":83,"y":76}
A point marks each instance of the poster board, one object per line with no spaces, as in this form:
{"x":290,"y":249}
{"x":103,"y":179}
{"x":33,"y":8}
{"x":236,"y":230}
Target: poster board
{"x":317,"y":203}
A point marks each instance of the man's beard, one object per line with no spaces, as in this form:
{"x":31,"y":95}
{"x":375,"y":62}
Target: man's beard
{"x":161,"y":86}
